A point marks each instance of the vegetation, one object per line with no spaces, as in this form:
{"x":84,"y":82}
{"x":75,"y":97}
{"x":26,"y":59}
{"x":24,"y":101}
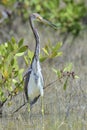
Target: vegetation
{"x":10,"y":72}
{"x":11,"y":75}
{"x":67,"y":14}
{"x":68,"y":109}
{"x":68,"y":17}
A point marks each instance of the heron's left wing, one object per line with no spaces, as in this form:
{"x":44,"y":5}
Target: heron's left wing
{"x":27,"y":76}
{"x":34,"y":100}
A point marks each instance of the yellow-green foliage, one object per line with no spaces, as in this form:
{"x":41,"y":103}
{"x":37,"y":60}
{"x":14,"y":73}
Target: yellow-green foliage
{"x":68,"y":14}
{"x":10,"y":72}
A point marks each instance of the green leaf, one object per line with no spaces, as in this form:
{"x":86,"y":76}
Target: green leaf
{"x":15,"y":73}
{"x":6,"y":45}
{"x":1,"y":92}
{"x":20,"y":74}
{"x":22,"y":49}
{"x":19,"y":54}
{"x":57,"y":46}
{"x":47,"y":47}
{"x":68,"y":67}
{"x":45,"y":51}
{"x":59,"y":54}
{"x":10,"y":46}
{"x":55,"y":54}
{"x":10,"y":88}
{"x":26,"y":60}
{"x":20,"y":43}
{"x":65,"y":84}
{"x":30,"y":55}
{"x":58,"y":73}
{"x":14,"y":81}
{"x":12,"y":62}
{"x":76,"y":77}
{"x":43,"y":58}
{"x":54,"y":70}
{"x":13,"y":40}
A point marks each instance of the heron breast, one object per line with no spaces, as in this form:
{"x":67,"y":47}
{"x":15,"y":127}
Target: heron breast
{"x":33,"y":86}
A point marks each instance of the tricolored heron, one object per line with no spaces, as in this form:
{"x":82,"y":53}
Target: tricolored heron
{"x":33,"y":78}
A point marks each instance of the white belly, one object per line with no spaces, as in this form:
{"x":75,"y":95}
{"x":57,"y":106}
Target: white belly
{"x":35,"y":86}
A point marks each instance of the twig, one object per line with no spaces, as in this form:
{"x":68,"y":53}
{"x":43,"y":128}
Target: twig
{"x":9,"y":95}
{"x":19,"y":108}
{"x":50,"y":84}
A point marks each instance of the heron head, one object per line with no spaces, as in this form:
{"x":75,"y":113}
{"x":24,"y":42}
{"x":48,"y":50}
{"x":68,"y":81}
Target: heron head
{"x":36,"y":16}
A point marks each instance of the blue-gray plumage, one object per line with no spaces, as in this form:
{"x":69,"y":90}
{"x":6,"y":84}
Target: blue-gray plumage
{"x":33,"y":78}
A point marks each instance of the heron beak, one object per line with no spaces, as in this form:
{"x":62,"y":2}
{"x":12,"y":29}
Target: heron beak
{"x":49,"y":23}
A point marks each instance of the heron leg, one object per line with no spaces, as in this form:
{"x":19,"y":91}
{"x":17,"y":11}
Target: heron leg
{"x":29,"y":109}
{"x":42,"y":106}
{"x":29,"y":106}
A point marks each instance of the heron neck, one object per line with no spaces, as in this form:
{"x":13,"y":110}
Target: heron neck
{"x":36,"y":35}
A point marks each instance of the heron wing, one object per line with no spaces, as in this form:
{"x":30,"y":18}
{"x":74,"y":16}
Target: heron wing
{"x":34,"y":100}
{"x":27,"y":76}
